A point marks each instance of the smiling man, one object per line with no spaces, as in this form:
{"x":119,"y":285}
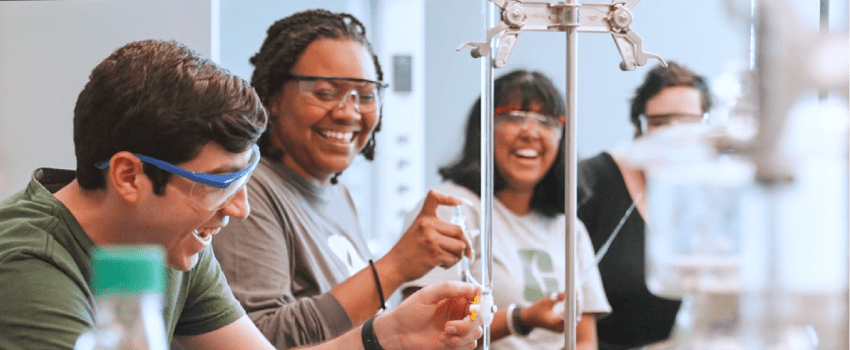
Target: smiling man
{"x":165,"y":141}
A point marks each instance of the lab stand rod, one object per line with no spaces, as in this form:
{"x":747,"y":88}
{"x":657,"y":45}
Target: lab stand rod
{"x":501,"y":35}
{"x":571,"y":155}
{"x":823,"y":94}
{"x":486,"y":221}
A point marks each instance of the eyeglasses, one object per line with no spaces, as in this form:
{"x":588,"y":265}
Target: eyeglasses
{"x":209,"y":191}
{"x":661,"y":120}
{"x":550,"y":126}
{"x":330,"y":92}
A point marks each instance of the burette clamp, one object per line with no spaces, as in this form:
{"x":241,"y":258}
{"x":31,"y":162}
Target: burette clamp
{"x":483,"y":307}
{"x":518,"y":16}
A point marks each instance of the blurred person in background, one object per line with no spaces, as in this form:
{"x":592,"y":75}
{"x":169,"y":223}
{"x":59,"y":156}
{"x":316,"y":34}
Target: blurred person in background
{"x":609,"y":186}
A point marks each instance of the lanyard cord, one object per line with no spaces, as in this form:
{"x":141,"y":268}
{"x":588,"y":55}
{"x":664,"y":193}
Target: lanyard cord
{"x":464,"y":266}
{"x":607,"y":244}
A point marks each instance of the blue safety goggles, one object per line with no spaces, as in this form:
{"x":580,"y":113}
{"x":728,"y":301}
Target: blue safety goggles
{"x":209,"y":191}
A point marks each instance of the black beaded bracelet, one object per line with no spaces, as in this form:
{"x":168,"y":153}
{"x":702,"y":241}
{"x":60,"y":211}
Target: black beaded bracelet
{"x":521,"y":328}
{"x":378,"y":283}
{"x":367,"y":335}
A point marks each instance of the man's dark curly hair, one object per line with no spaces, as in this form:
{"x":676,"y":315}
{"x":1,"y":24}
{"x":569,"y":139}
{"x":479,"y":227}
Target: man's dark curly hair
{"x":285,"y":42}
{"x":163,"y":100}
{"x":661,"y":77}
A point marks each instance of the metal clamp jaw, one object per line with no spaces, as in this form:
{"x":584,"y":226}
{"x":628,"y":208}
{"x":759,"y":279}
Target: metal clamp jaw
{"x":518,"y":16}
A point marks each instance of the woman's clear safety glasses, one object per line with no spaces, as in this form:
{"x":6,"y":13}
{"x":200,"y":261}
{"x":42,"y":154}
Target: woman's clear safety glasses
{"x":209,"y":191}
{"x":549,"y":126}
{"x":334,"y":92}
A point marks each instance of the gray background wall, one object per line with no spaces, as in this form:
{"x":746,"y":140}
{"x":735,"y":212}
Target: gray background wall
{"x":47,"y":49}
{"x":244,"y":24}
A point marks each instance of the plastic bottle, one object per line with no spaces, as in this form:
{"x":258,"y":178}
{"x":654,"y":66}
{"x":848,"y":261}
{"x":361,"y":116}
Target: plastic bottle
{"x":128,"y":283}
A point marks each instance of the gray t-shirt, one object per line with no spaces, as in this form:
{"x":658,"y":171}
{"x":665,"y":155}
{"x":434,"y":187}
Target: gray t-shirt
{"x":299,"y":241}
{"x":45,"y":301}
{"x":528,"y":263}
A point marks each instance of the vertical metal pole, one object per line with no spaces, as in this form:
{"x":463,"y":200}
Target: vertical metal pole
{"x":753,"y":35}
{"x":846,"y":335}
{"x":823,"y":94}
{"x":771,"y":90}
{"x":486,"y":220}
{"x":571,"y":165}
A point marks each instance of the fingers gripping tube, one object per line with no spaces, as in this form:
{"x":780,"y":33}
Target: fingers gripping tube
{"x":463,"y":268}
{"x":483,"y":307}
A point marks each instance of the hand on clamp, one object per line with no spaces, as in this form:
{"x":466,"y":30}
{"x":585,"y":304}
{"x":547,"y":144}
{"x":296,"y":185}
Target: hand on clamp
{"x":483,"y":308}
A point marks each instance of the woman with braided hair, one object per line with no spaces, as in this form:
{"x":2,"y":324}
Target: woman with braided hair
{"x":299,"y":263}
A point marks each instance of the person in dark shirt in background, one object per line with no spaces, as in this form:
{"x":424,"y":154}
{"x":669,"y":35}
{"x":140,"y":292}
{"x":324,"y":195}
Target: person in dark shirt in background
{"x":608,"y":186}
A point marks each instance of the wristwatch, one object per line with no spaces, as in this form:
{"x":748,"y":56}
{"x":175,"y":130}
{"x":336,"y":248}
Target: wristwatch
{"x":367,"y":335}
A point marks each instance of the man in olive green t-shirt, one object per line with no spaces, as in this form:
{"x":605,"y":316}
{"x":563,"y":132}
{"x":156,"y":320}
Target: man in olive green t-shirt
{"x":165,"y":141}
{"x":44,"y":262}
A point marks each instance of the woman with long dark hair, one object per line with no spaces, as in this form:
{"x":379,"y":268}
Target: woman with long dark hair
{"x":528,"y":218}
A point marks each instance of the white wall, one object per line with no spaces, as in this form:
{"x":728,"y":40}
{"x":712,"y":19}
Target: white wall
{"x":399,"y":177}
{"x":48,"y":48}
{"x":243,"y":25}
